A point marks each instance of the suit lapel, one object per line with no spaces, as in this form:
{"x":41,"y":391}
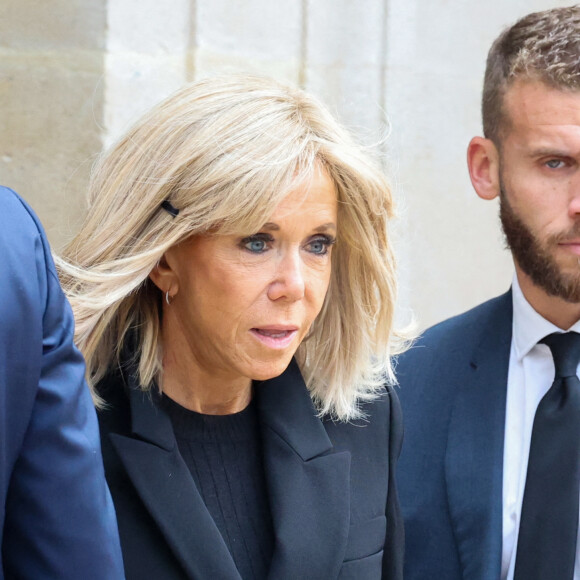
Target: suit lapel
{"x":308,"y":484}
{"x":168,"y":491}
{"x":474,"y":461}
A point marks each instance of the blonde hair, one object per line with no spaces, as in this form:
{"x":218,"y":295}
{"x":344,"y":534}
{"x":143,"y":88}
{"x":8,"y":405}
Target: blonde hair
{"x":225,"y":151}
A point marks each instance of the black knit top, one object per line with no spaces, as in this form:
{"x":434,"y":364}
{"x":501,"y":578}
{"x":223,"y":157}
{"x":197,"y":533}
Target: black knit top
{"x":224,"y":455}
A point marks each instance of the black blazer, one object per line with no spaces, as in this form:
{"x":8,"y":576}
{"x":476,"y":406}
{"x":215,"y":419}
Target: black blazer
{"x":331,"y":488}
{"x":453,"y":393}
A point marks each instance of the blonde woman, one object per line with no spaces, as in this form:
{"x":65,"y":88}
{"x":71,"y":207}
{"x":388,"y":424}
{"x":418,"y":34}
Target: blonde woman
{"x":233,"y":287}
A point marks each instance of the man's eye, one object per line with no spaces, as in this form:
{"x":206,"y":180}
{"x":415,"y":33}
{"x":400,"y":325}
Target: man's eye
{"x":554,"y":163}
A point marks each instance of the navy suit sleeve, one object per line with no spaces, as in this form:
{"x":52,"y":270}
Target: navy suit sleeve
{"x":57,"y":516}
{"x":395,"y":544}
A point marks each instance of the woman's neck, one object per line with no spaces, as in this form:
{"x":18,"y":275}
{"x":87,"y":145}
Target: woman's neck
{"x":211,"y":394}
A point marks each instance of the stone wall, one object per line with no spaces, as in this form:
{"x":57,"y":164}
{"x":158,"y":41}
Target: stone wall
{"x":74,"y":74}
{"x":51,"y":103}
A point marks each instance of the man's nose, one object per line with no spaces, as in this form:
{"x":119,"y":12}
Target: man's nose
{"x":574,"y":203}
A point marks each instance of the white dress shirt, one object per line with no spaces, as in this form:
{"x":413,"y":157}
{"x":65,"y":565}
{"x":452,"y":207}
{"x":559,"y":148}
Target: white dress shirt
{"x":531,"y":373}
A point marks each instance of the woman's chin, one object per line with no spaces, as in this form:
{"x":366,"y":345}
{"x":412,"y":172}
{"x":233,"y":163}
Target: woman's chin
{"x":271,"y":370}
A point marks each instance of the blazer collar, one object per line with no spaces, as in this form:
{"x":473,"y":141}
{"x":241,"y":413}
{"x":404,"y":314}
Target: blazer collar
{"x":148,"y":421}
{"x":474,"y":460}
{"x":308,"y":485}
{"x":164,"y":484}
{"x":286,"y":408}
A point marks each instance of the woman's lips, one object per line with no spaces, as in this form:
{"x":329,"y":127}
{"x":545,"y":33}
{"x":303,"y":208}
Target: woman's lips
{"x":278,"y":337}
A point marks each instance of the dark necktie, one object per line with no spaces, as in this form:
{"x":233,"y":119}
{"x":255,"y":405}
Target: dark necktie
{"x":549,"y":521}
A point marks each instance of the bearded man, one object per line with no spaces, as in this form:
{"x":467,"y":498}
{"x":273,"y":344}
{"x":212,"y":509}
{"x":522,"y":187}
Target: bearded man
{"x":490,"y":470}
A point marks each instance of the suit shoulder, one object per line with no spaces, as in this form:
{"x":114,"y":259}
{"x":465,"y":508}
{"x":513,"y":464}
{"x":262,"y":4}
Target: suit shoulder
{"x":443,"y":352}
{"x":468,"y":321}
{"x":24,"y":241}
{"x":458,"y":331}
{"x":17,"y":214}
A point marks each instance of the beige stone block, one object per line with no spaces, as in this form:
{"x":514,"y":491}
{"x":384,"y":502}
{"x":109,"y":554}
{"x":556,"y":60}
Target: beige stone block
{"x":51,"y":66}
{"x":210,"y":63}
{"x":255,"y":29}
{"x":135,"y":83}
{"x":344,"y":46}
{"x":50,"y":131}
{"x":148,"y":56}
{"x":61,"y":25}
{"x":255,"y":36}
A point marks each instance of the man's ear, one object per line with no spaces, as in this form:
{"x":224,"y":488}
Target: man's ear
{"x":164,"y":277}
{"x":483,"y":165}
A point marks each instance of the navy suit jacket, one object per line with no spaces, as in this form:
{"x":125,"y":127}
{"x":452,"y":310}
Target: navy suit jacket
{"x":56,"y":516}
{"x":453,"y":386}
{"x":331,"y":488}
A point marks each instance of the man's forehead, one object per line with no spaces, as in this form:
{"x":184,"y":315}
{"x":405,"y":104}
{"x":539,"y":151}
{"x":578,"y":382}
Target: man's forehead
{"x":533,"y":103}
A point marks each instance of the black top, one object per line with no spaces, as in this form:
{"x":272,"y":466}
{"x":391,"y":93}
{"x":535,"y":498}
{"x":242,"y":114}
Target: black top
{"x":224,"y":455}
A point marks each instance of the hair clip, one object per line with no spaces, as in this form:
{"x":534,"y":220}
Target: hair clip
{"x":169,"y":208}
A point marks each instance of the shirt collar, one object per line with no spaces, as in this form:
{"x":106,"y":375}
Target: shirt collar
{"x":529,"y":327}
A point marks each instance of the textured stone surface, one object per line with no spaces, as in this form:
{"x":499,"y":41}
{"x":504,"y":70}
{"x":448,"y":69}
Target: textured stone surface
{"x":147,"y":57}
{"x":257,"y":36}
{"x":52,"y":25}
{"x":344,"y":60}
{"x":51,"y":66}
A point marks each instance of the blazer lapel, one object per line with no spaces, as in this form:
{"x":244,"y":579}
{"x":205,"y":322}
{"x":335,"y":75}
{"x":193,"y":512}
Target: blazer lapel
{"x":168,"y":491}
{"x":308,"y":483}
{"x":474,"y":461}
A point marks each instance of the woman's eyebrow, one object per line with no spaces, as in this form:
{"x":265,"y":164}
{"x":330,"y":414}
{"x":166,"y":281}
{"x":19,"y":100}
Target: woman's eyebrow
{"x":326,"y":227}
{"x":271,"y":226}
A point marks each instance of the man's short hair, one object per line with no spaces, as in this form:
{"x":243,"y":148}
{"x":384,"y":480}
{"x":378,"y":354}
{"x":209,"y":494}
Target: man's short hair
{"x":542,"y":46}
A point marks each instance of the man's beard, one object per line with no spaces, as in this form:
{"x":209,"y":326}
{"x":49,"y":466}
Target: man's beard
{"x":534,"y":257}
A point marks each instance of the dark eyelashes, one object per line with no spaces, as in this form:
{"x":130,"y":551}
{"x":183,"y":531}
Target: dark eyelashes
{"x":257,"y":237}
{"x":328,"y":240}
{"x":257,"y":243}
{"x":260,"y":242}
{"x":325,"y":240}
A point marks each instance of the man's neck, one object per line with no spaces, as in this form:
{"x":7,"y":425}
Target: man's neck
{"x":553,"y":308}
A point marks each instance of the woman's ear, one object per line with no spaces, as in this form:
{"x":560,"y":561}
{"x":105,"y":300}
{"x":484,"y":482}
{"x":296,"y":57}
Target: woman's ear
{"x":483,"y":165}
{"x":165,"y":277}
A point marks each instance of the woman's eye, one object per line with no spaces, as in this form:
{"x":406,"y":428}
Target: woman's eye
{"x":320,"y":245}
{"x":256,"y":244}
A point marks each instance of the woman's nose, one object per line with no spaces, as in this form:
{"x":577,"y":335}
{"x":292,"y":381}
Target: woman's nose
{"x":288,"y":282}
